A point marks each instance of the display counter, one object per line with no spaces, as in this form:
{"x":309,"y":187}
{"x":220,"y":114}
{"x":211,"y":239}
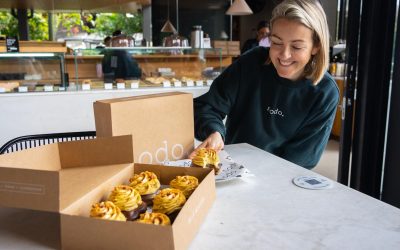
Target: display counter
{"x":169,"y":63}
{"x":37,"y":47}
{"x":110,"y":68}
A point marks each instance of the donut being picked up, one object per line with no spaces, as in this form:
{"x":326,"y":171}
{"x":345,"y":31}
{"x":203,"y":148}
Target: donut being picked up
{"x":207,"y":158}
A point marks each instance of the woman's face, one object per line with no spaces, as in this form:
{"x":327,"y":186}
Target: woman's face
{"x":291,"y":48}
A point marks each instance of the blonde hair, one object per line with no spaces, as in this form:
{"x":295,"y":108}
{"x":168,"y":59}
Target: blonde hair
{"x":311,"y":14}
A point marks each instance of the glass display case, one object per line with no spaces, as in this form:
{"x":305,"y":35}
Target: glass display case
{"x":144,"y":67}
{"x":110,"y":68}
{"x":32,"y":72}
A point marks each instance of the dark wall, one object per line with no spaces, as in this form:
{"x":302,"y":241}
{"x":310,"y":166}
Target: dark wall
{"x":249,"y":23}
{"x":213,"y":21}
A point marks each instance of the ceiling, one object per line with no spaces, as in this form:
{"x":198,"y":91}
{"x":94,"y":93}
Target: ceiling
{"x":118,"y":5}
{"x":77,"y":5}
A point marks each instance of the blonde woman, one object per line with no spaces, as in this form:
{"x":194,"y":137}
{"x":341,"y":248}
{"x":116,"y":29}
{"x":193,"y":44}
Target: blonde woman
{"x":281,"y":99}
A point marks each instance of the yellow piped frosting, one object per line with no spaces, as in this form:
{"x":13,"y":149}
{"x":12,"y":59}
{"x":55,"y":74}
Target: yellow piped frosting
{"x":125,"y":197}
{"x":145,"y":182}
{"x":187,"y":184}
{"x":168,"y":200}
{"x":154,"y":218}
{"x":106,"y":210}
{"x":206,"y":156}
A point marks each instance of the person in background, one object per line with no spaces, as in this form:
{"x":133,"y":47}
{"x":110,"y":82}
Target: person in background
{"x":261,"y":39}
{"x":280,"y":99}
{"x":107,"y":41}
{"x":118,"y":64}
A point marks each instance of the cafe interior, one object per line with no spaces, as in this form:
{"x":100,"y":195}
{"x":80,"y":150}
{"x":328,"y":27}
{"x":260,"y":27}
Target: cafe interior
{"x":195,"y":41}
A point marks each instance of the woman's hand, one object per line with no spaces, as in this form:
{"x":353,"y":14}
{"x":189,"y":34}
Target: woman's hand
{"x":213,"y":141}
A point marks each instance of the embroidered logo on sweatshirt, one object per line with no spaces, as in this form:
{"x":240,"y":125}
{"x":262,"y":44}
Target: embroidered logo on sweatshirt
{"x":274,"y":111}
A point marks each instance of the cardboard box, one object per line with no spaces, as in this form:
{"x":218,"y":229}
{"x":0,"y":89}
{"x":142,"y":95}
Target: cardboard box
{"x":47,"y":178}
{"x":74,"y":175}
{"x":161,"y":124}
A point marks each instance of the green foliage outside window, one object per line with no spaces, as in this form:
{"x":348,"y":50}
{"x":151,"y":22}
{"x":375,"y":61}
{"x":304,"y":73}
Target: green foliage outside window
{"x":106,"y":24}
{"x":37,"y":25}
{"x":8,"y":24}
{"x":102,"y":24}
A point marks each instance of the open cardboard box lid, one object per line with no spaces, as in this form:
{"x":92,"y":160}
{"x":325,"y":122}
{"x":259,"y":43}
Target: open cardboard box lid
{"x":52,"y":177}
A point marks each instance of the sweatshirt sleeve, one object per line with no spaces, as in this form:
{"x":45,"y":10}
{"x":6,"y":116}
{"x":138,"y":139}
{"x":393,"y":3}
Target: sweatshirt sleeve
{"x":211,"y":108}
{"x":307,"y":146}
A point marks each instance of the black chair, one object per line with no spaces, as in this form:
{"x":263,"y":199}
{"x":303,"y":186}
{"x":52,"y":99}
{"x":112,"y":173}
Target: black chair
{"x":31,"y":141}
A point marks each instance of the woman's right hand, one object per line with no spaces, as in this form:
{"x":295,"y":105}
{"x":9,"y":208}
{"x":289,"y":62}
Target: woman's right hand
{"x":213,"y":141}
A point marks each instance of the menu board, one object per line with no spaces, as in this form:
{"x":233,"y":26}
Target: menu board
{"x":12,"y":44}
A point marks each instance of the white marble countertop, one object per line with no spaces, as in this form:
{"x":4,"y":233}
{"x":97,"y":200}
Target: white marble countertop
{"x":267,"y":211}
{"x":264,"y":211}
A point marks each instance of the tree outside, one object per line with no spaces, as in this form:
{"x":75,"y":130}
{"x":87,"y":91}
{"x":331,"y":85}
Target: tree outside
{"x":103,"y":24}
{"x":38,"y":26}
{"x":129,"y":24}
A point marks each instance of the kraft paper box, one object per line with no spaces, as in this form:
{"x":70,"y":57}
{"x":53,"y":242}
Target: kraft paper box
{"x":69,"y":177}
{"x":161,"y":124}
{"x":51,"y":177}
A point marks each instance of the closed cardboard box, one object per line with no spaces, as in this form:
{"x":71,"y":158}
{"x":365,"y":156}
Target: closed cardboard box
{"x":161,"y":124}
{"x":69,"y":177}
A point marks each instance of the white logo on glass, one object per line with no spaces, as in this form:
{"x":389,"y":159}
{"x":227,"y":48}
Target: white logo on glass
{"x":274,"y":111}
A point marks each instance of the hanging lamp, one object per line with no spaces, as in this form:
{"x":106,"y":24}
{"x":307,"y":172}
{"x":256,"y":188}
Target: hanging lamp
{"x":239,"y":8}
{"x":168,"y":27}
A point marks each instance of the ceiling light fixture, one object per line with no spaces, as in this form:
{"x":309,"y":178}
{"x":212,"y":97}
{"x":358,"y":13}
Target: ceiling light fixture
{"x":168,"y":27}
{"x":239,"y":8}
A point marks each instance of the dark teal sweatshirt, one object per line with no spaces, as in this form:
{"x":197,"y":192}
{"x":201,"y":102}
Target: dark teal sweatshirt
{"x":291,"y":119}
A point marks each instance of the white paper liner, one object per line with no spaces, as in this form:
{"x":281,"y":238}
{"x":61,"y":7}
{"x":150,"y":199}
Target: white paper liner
{"x":229,"y":168}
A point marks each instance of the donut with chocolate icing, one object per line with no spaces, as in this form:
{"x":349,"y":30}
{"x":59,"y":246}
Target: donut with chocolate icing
{"x":147,"y":184}
{"x":154,"y":218}
{"x":106,"y":210}
{"x":168,"y":200}
{"x":207,"y":158}
{"x":128,"y":200}
{"x":187,"y":184}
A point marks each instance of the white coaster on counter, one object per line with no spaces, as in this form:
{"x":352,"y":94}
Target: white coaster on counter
{"x":2,"y":90}
{"x":312,"y":182}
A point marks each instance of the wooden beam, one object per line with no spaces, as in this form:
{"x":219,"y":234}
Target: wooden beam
{"x":71,"y":5}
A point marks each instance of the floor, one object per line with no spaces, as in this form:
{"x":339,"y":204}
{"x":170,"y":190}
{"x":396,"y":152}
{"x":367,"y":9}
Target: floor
{"x":328,"y":165}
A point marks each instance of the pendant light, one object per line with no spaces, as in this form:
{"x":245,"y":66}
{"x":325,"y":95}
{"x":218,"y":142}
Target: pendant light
{"x":239,"y":8}
{"x":168,"y":27}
